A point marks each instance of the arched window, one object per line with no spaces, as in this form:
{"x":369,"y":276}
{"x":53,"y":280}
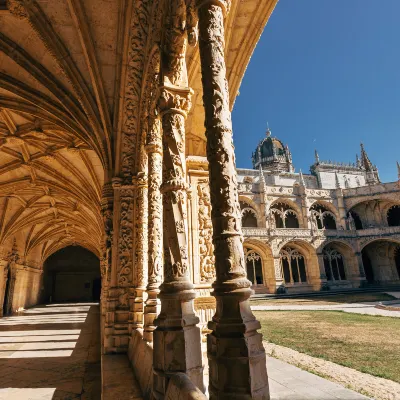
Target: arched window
{"x":282,"y":216}
{"x":334,"y":265}
{"x":254,"y":267}
{"x":322,"y":217}
{"x":293,"y":265}
{"x":393,"y":216}
{"x":249,"y":216}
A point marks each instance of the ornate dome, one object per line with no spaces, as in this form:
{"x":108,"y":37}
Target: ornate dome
{"x":271,"y":154}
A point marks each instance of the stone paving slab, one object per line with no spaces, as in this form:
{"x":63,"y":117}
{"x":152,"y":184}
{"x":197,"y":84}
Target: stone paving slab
{"x":288,"y":382}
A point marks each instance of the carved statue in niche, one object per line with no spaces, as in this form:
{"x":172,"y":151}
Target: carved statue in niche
{"x":206,"y":248}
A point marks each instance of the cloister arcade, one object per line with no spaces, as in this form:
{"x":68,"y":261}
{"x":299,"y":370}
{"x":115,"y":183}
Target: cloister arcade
{"x":375,"y":213}
{"x":116,"y":139}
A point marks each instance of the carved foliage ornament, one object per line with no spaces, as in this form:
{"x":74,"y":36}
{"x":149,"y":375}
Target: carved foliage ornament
{"x":136,"y":54}
{"x":125,"y":245}
{"x":17,"y":8}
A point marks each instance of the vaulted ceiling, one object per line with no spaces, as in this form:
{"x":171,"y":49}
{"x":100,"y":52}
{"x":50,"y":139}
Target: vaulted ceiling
{"x":63,"y":77}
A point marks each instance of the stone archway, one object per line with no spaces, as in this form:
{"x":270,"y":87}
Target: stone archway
{"x":340,"y":264}
{"x":381,"y":261}
{"x":72,"y":274}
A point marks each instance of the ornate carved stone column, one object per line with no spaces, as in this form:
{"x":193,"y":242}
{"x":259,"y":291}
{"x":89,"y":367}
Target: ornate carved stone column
{"x":155,"y":227}
{"x":141,"y":248}
{"x":107,"y":206}
{"x":235,"y":351}
{"x":322,"y":272}
{"x":177,"y":338}
{"x":362,"y":277}
{"x":121,"y":292}
{"x":279,"y":281}
{"x":341,"y":208}
{"x":4,"y":266}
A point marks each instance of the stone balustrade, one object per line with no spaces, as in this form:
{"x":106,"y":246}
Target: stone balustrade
{"x":328,"y":233}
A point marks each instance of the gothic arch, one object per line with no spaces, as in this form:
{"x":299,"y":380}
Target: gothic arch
{"x":348,"y":260}
{"x":325,"y":215}
{"x":292,"y":204}
{"x":250,"y":213}
{"x":310,"y":257}
{"x":251,"y":203}
{"x":380,"y":262}
{"x":265,"y":252}
{"x":282,"y":215}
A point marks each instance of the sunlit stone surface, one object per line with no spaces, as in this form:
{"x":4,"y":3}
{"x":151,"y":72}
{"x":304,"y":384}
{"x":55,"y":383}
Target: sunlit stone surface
{"x":60,"y":359}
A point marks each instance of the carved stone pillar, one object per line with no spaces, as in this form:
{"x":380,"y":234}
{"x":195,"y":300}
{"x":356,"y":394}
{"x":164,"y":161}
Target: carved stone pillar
{"x":155,"y":227}
{"x":177,"y":338}
{"x":279,"y":281}
{"x":141,"y":249}
{"x":3,"y":282}
{"x":322,"y":272}
{"x":341,"y":207}
{"x":121,"y":293}
{"x":235,"y":351}
{"x":362,"y":278}
{"x":107,"y":205}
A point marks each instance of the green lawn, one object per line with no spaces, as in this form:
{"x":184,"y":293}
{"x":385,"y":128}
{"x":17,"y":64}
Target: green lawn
{"x":368,"y":344}
{"x":326,"y":300}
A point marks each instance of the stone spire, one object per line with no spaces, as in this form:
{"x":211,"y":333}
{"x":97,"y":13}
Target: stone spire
{"x":263,"y":185}
{"x":398,"y":169}
{"x":365,"y":161}
{"x":372,"y":176}
{"x":301,"y":179}
{"x":316,"y":157}
{"x":358,"y":164}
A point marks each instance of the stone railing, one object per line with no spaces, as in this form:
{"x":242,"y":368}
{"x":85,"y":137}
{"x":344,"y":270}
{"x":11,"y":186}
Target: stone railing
{"x":371,"y":189}
{"x":304,"y":233}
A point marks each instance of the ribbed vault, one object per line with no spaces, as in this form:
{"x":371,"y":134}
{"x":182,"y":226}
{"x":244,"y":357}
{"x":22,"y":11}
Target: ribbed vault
{"x":50,"y":187}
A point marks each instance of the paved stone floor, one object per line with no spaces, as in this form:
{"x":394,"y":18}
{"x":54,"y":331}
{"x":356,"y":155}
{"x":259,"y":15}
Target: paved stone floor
{"x":51,"y":352}
{"x":288,"y":382}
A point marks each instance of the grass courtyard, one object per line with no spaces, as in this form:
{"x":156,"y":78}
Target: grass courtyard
{"x":369,"y":344}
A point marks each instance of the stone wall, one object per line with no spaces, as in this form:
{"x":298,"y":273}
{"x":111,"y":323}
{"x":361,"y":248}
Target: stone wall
{"x":27,"y":288}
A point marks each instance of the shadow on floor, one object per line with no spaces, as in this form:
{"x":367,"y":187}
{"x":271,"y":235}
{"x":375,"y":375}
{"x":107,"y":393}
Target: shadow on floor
{"x":51,"y":352}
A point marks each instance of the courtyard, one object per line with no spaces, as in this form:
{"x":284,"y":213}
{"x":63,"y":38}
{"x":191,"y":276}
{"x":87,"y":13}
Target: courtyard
{"x":321,"y":334}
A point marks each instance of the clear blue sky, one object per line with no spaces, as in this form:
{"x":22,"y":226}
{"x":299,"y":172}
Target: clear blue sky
{"x":325,"y":75}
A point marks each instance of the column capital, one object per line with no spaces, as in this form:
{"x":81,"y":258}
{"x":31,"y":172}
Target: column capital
{"x":175,"y":99}
{"x":224,"y":4}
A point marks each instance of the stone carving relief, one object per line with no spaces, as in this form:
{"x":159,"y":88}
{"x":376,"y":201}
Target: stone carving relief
{"x":206,"y":248}
{"x":141,"y":239}
{"x":135,"y":66}
{"x":125,"y":243}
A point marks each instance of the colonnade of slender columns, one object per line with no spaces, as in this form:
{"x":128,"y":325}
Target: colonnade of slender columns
{"x":235,"y":351}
